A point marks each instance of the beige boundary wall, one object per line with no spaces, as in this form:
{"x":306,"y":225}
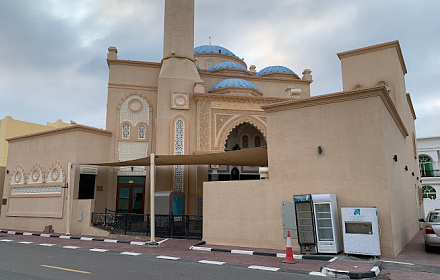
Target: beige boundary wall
{"x":35,"y":203}
{"x":359,"y":133}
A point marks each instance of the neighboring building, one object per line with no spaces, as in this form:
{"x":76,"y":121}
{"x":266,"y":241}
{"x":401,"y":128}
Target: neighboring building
{"x":428,"y":150}
{"x":203,"y":100}
{"x":12,"y":128}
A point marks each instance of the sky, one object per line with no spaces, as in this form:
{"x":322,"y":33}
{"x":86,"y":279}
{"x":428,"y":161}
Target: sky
{"x":53,"y":52}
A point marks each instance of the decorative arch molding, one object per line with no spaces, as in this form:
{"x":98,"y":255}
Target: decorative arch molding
{"x":134,"y":94}
{"x":56,"y":173}
{"x":18,"y":176}
{"x":227,"y":128}
{"x":37,"y":176}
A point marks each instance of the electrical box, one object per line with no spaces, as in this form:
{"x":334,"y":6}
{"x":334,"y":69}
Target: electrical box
{"x":289,"y":222}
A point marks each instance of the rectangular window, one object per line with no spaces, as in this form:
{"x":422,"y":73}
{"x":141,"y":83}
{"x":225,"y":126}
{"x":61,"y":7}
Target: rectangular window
{"x":86,"y":186}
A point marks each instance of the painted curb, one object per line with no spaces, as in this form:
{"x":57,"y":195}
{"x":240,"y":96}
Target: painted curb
{"x":254,"y":253}
{"x":373,"y":272}
{"x":81,"y":238}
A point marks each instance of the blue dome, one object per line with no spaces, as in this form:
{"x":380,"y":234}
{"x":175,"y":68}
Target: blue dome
{"x":234,"y":83}
{"x":230,"y":65}
{"x":213,"y":49}
{"x":271,"y":69}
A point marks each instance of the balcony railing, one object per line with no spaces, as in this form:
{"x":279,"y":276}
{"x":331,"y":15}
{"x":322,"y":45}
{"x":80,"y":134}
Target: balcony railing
{"x":430,"y":173}
{"x":178,"y":226}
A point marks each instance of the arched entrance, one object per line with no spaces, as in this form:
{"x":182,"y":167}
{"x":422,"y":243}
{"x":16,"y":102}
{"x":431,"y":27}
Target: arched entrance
{"x":243,"y":136}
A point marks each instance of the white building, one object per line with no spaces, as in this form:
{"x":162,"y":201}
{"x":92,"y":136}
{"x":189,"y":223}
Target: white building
{"x":428,"y":151}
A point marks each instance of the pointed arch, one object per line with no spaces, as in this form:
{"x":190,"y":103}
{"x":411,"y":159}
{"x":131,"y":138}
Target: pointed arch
{"x":222,"y":136}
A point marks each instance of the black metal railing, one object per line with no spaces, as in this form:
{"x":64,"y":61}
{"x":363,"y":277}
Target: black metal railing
{"x":176,"y":226}
{"x":430,"y":173}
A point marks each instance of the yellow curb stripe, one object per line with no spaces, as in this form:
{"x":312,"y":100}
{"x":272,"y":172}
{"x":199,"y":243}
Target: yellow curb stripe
{"x":66,"y":269}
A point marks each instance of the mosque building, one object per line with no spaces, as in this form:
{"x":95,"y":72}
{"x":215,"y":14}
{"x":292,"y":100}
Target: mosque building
{"x":204,"y":100}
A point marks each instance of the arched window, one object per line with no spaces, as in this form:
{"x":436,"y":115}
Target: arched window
{"x":426,"y":169}
{"x":245,"y":142}
{"x":429,"y":192}
{"x":257,"y":141}
{"x":125,"y":131}
{"x":384,"y":84}
{"x":141,"y":131}
{"x":357,"y":87}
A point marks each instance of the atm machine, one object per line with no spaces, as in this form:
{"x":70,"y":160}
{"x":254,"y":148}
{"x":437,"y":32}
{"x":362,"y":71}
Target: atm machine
{"x":317,"y":223}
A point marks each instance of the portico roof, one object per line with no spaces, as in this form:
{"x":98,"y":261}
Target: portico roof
{"x":247,"y":157}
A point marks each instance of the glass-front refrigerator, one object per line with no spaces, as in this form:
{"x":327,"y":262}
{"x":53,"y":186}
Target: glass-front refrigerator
{"x":305,"y":223}
{"x":328,"y":235}
{"x":317,"y":223}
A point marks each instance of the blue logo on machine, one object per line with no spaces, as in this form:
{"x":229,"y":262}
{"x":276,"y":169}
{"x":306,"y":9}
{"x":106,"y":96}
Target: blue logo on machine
{"x":302,"y":197}
{"x":357,"y":212}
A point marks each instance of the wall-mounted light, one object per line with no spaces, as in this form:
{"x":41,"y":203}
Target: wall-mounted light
{"x":7,"y":171}
{"x":395,"y":158}
{"x":319,"y":150}
{"x":406,"y":167}
{"x":412,"y":173}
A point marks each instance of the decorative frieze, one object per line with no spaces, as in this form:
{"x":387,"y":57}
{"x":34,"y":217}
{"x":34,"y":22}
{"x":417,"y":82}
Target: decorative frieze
{"x":179,"y":149}
{"x":36,"y":190}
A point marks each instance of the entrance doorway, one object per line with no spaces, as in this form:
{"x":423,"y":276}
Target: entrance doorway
{"x":130,"y":195}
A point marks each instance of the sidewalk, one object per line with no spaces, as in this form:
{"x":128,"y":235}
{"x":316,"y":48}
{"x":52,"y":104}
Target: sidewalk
{"x":412,"y":263}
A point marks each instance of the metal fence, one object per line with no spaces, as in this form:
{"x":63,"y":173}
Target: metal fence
{"x":430,"y":173}
{"x":178,"y":226}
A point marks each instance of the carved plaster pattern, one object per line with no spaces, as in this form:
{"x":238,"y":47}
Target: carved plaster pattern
{"x":179,"y":144}
{"x":36,"y":190}
{"x":221,"y":137}
{"x":56,"y":173}
{"x":220,"y":120}
{"x":18,"y":176}
{"x":132,"y":150}
{"x":36,"y":176}
{"x":204,"y":121}
{"x":138,"y":112}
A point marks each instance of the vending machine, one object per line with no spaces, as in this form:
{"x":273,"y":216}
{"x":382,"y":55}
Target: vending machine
{"x":360,"y":229}
{"x":317,"y":223}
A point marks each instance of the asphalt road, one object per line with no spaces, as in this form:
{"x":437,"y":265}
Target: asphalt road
{"x":32,"y":261}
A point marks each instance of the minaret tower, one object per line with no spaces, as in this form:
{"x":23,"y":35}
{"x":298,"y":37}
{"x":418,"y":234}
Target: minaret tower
{"x":177,"y":79}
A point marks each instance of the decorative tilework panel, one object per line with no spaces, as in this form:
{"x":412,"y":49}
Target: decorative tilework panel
{"x":134,"y":117}
{"x":36,"y":190}
{"x":132,"y":150}
{"x":179,"y":144}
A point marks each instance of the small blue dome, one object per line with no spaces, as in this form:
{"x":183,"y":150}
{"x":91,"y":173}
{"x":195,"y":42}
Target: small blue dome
{"x":271,"y":69}
{"x":213,"y":49}
{"x":234,"y":83}
{"x":198,"y":68}
{"x":230,"y":65}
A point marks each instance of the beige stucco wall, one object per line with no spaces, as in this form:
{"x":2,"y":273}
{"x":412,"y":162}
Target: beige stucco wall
{"x":75,"y":144}
{"x":2,"y":180}
{"x":353,"y":165}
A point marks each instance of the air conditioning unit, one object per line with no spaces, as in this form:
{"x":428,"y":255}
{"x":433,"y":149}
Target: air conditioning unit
{"x":264,"y":172}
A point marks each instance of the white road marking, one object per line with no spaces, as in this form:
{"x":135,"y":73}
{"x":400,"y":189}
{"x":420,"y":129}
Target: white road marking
{"x":137,"y":243}
{"x":333,"y":259}
{"x":71,"y":247}
{"x":27,"y":233}
{"x":130,"y":253}
{"x":5,"y":240}
{"x":47,"y":245}
{"x":98,"y":250}
{"x":212,"y":262}
{"x":45,"y":235}
{"x":264,"y":268}
{"x":11,"y":232}
{"x":25,"y":242}
{"x":242,"y":252}
{"x":399,"y":262}
{"x":315,"y":273}
{"x":162,"y":241}
{"x":65,"y":236}
{"x":167,"y":258}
